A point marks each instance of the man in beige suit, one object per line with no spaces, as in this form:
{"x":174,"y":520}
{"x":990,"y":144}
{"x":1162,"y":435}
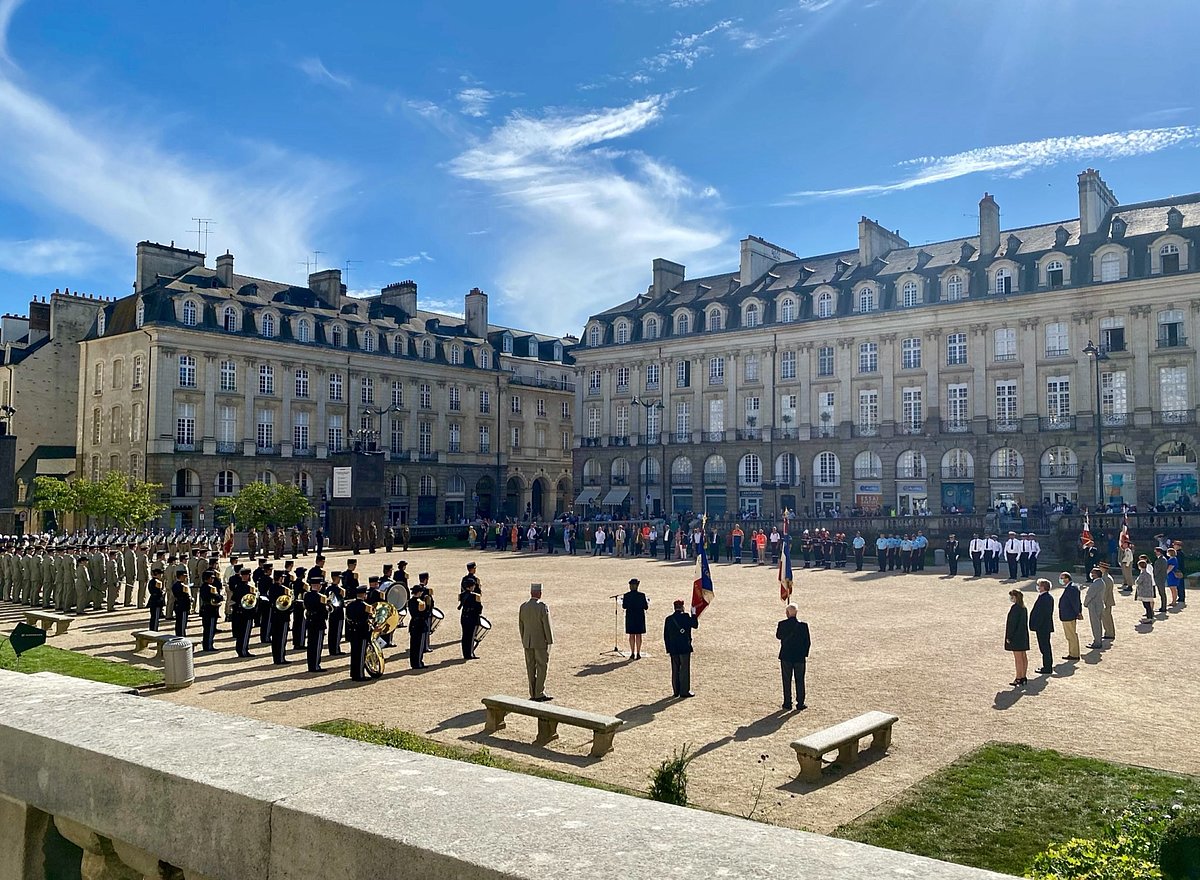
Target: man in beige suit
{"x":536,"y":637}
{"x":1110,"y":599}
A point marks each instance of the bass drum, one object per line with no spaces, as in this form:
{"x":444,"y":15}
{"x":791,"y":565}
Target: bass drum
{"x":482,"y":629}
{"x":373,"y":661}
{"x":436,"y":619}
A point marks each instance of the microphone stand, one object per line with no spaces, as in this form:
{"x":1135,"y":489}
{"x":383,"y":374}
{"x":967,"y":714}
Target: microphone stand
{"x":616,"y":627}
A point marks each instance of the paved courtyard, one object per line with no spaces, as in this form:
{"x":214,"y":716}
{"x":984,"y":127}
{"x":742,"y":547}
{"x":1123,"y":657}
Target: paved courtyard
{"x":922,"y":646}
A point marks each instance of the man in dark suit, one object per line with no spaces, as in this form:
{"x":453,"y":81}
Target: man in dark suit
{"x":952,"y":555}
{"x":794,"y":643}
{"x":677,"y":636}
{"x":1041,"y":621}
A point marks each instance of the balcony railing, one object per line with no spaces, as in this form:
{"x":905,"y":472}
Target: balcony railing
{"x":647,"y":439}
{"x":618,"y":440}
{"x":589,"y":441}
{"x":1177,"y":340}
{"x":652,"y":386}
{"x":225,"y":447}
{"x":958,"y":473}
{"x":911,"y":473}
{"x":1059,"y":470}
{"x":787,"y":434}
{"x":679,"y":437}
{"x":650,"y":479}
{"x":868,"y":473}
{"x":713,"y":436}
{"x":716,"y":380}
{"x":593,"y":390}
{"x":1056,"y":423}
{"x":620,"y":481}
{"x":956,"y":426}
{"x":1116,"y":420}
{"x":454,"y":447}
{"x":1112,"y":348}
{"x":1175,"y":417}
{"x":1007,"y":472}
{"x":185,"y":447}
{"x":622,"y":388}
{"x":260,"y":449}
{"x":544,"y":382}
{"x":714,"y":479}
{"x":1058,"y":352}
{"x":749,"y":433}
{"x":910,"y":428}
{"x":870,"y":429}
{"x":1005,"y":357}
{"x":304,"y":451}
{"x":827,"y":479}
{"x":822,"y":431}
{"x":429,"y":456}
{"x":1004,"y":426}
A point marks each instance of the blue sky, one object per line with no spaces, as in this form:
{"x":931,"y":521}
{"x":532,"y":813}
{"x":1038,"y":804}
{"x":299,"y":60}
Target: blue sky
{"x":547,"y":152}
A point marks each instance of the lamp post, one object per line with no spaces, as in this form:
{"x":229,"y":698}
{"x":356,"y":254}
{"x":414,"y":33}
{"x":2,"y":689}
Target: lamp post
{"x":1098,"y":355}
{"x":648,"y":405}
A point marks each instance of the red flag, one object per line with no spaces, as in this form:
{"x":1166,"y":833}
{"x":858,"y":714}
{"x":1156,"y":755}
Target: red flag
{"x":1086,"y":537}
{"x":785,"y":563}
{"x":1125,"y":542}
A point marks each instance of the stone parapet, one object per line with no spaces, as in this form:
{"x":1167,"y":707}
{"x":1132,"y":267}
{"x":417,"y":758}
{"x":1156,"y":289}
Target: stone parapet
{"x":129,"y":780}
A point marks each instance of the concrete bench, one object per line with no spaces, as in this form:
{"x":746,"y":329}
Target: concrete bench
{"x":43,"y":619}
{"x":844,"y":737}
{"x":604,"y":727}
{"x":146,"y":637}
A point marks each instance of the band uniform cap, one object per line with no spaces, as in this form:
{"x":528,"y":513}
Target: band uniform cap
{"x":315,"y":578}
{"x":470,"y":565}
{"x":181,"y":570}
{"x":360,"y":589}
{"x":633,"y":582}
{"x":373,"y":579}
{"x":351,"y":562}
{"x":678,"y":603}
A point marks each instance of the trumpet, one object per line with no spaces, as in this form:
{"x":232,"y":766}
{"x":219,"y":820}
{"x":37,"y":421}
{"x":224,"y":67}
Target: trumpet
{"x":284,"y":602}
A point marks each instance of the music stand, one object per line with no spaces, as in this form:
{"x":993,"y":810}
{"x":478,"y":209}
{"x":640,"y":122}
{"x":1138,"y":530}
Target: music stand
{"x":616,"y":627}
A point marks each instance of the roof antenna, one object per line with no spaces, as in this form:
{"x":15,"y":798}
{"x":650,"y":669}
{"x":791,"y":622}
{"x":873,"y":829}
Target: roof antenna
{"x":349,"y":263}
{"x":203,"y":228}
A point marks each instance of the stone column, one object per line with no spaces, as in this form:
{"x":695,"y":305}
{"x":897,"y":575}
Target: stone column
{"x":1029,"y":350}
{"x":889,"y":401}
{"x":1142,"y":334}
{"x":249,"y":418}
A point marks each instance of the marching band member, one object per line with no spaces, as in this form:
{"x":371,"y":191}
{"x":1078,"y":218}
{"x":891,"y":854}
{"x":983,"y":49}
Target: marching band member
{"x":183,"y":600}
{"x":243,"y":618}
{"x":358,"y":630}
{"x":337,"y":612}
{"x":210,"y":609}
{"x":316,"y":613}
{"x":470,"y":605}
{"x":278,"y":625}
{"x":158,"y":597}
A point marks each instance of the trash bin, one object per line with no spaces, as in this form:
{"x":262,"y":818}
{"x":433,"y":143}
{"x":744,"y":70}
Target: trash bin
{"x":939,"y":557}
{"x":178,"y":671}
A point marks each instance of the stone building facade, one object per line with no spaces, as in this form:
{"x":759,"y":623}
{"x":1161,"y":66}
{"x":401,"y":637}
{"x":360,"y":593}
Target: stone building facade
{"x":958,"y":375}
{"x":39,"y":382}
{"x":204,"y":380}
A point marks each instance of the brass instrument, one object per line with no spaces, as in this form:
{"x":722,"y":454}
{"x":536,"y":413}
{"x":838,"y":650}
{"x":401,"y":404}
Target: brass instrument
{"x":248,"y":601}
{"x":284,"y":602}
{"x":386,"y":619}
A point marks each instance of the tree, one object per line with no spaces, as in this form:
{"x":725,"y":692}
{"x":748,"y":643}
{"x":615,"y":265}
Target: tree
{"x":257,"y":505}
{"x":55,"y":495}
{"x":115,"y":499}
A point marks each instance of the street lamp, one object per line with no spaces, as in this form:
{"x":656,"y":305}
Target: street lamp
{"x":648,"y":405}
{"x":1098,"y":355}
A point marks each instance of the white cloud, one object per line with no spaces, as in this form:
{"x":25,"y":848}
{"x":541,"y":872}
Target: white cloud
{"x":585,"y":210}
{"x":7,"y":8}
{"x":814,"y":5}
{"x":401,"y":262}
{"x":687,"y":49}
{"x":119,"y":181}
{"x":316,"y":70}
{"x":1018,"y":159}
{"x":48,"y":256}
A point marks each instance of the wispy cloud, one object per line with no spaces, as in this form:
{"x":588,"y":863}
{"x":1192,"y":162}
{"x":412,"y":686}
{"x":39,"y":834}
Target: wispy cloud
{"x":474,"y":101}
{"x":118,"y":181}
{"x":48,"y":256}
{"x":314,"y":68}
{"x":1015,"y":160}
{"x":421,"y":257}
{"x":687,"y":49}
{"x":584,"y":209}
{"x":7,"y":8}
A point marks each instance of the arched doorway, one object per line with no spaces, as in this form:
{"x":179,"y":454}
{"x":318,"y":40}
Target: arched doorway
{"x":537,"y":499}
{"x":512,"y":497}
{"x":563,"y":501}
{"x":483,"y":496}
{"x":1175,"y":475}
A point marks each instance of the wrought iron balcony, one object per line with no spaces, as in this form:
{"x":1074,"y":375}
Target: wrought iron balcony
{"x":958,"y":473}
{"x":1116,"y":420}
{"x":618,"y":440}
{"x":956,"y":426}
{"x":225,"y":447}
{"x":1007,"y":472}
{"x":868,"y":429}
{"x":1175,"y":417}
{"x":787,"y":434}
{"x":868,"y":473}
{"x":1172,"y":340}
{"x":1056,"y":423}
{"x":749,"y":433}
{"x":1005,"y":357}
{"x":910,"y":428}
{"x":1058,"y":352}
{"x":1004,"y":426}
{"x":1059,"y":470}
{"x":589,"y":441}
{"x":713,"y":436}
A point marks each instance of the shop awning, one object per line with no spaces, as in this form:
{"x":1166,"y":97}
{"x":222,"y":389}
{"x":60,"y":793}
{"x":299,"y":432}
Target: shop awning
{"x":616,"y":496}
{"x":587,"y":496}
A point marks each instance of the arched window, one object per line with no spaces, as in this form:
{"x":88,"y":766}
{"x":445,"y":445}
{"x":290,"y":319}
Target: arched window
{"x":426,"y":349}
{"x":957,"y":464}
{"x":622,"y":333}
{"x":620,"y":472}
{"x":1110,"y":267}
{"x":681,"y":471}
{"x":715,"y":319}
{"x":189,"y":313}
{"x":910,"y":464}
{"x":485,"y":359}
{"x":1168,"y":257}
{"x":867,"y":465}
{"x":954,"y":288}
{"x":750,"y":317}
{"x":455,"y":355}
{"x":303,"y":330}
{"x":714,"y":470}
{"x":267,"y":478}
{"x":825,"y":304}
{"x":909,"y":294}
{"x":229,"y":319}
{"x":428,"y":485}
{"x":139,"y":314}
{"x":304,"y":482}
{"x":866,"y":299}
{"x":268,"y":326}
{"x":226,"y":484}
{"x":593,"y":336}
{"x":100,"y":320}
{"x":1007,"y":464}
{"x":787,"y":310}
{"x":1003,"y":280}
{"x":682,"y":325}
{"x":827,"y":470}
{"x":651,"y":328}
{"x":1054,"y":273}
{"x":750,"y":470}
{"x":368,"y":340}
{"x":337,"y":336}
{"x":397,"y":485}
{"x":787,"y":469}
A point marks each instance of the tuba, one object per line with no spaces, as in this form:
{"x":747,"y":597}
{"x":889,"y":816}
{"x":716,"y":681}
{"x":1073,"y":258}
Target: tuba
{"x":248,"y":601}
{"x":284,"y":602}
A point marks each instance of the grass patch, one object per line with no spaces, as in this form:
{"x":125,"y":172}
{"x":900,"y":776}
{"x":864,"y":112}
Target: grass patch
{"x":379,"y":735}
{"x":45,"y":658}
{"x":1002,"y":804}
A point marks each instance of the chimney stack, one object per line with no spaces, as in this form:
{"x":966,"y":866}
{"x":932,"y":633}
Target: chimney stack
{"x":1095,"y":201}
{"x":476,"y":311}
{"x":225,"y":269}
{"x":402,"y":295}
{"x":875,"y":241}
{"x":989,"y":225}
{"x":665,"y":275}
{"x":757,"y":258}
{"x":156,"y":259}
{"x":327,"y":284}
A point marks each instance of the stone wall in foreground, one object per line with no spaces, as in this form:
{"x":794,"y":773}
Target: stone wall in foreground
{"x":99,"y":781}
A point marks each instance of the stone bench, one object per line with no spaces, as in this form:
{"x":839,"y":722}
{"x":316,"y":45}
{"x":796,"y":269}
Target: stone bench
{"x":146,"y":637}
{"x":844,"y":737}
{"x":43,"y":619}
{"x":604,"y":727}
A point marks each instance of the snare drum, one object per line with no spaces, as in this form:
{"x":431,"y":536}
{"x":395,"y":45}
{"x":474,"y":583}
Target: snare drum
{"x":435,"y":619}
{"x":482,"y":629}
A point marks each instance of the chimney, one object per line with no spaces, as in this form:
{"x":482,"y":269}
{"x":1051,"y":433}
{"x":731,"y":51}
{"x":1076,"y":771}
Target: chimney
{"x":666,"y":275}
{"x":477,"y":313}
{"x":402,"y":295}
{"x":989,"y":225}
{"x":1095,"y":201}
{"x":225,"y":269}
{"x":758,"y":256}
{"x":327,"y":284}
{"x":159,"y":259}
{"x":875,"y":241}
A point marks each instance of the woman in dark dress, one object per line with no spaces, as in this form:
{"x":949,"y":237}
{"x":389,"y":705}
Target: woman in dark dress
{"x":1016,"y":635}
{"x":635,"y":604}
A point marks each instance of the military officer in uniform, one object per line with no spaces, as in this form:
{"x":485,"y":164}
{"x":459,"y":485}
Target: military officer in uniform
{"x":470,"y":606}
{"x":243,"y":619}
{"x":83,"y":583}
{"x":677,"y":637}
{"x":278,"y":619}
{"x":358,"y":630}
{"x":338,"y":596}
{"x":420,"y":612}
{"x":952,"y":555}
{"x":182,"y":592}
{"x":210,"y":609}
{"x":316,"y":616}
{"x":141,"y":565}
{"x":158,"y":597}
{"x":129,"y":571}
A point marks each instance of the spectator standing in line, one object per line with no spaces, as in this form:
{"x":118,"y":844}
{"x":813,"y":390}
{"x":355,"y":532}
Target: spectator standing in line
{"x":794,"y":645}
{"x":1016,"y":635}
{"x":1145,"y":589}
{"x":1070,"y":612}
{"x":1093,"y":601}
{"x":1041,"y":622}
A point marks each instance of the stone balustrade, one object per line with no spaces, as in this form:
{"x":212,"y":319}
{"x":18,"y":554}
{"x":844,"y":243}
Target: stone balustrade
{"x":103,"y":784}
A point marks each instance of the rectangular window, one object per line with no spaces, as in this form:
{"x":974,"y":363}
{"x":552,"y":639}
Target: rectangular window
{"x":910,"y":353}
{"x":139,"y":372}
{"x":266,"y":379}
{"x":300,"y":432}
{"x":227,"y":424}
{"x":302,"y":383}
{"x":185,"y":424}
{"x":455,"y":441}
{"x":366,"y":389}
{"x":826,"y":405}
{"x":397,"y":444}
{"x":1006,"y":344}
{"x":541,"y":407}
{"x":683,"y":374}
{"x":787,"y":365}
{"x":187,"y":373}
{"x":913,"y":410}
{"x":868,"y":357}
{"x":716,"y":371}
{"x":1006,"y":406}
{"x":566,"y":409}
{"x":566,"y":441}
{"x":539,"y":438}
{"x":514,"y":437}
{"x":1057,"y":342}
{"x":1058,"y":398}
{"x":485,"y":438}
{"x":825,"y":360}
{"x":751,"y":368}
{"x":956,"y":349}
{"x":1114,"y":400}
{"x":336,"y":433}
{"x":515,"y":404}
{"x":485,"y":401}
{"x":264,"y":436}
{"x":1112,"y":334}
{"x":868,"y":412}
{"x":228,"y":376}
{"x":594,"y":422}
{"x":594,"y":382}
{"x":454,"y":398}
{"x":1173,"y":394}
{"x":622,"y":421}
{"x":958,"y":414}
{"x":135,"y":423}
{"x":716,"y":416}
{"x":752,"y":410}
{"x":426,"y":397}
{"x":652,"y":376}
{"x":397,"y":393}
{"x":425,"y":438}
{"x":653,"y":424}
{"x":335,"y":387}
{"x":683,"y":421}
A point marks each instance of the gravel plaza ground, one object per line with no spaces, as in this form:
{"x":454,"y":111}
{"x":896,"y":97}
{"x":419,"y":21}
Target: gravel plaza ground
{"x":922,"y":646}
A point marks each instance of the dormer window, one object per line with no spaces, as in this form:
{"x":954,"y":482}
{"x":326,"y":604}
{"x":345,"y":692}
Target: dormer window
{"x":910,"y":294}
{"x":455,"y":355}
{"x":714,"y":320}
{"x":622,"y":333}
{"x":139,"y":317}
{"x":558,"y":351}
{"x":825,"y":305}
{"x":593,"y":336}
{"x":485,"y":359}
{"x":682,"y":325}
{"x":1168,"y":256}
{"x":229,"y":319}
{"x":189,"y":313}
{"x":303,"y":331}
{"x":268,"y":326}
{"x":1110,"y":267}
{"x":651,"y":328}
{"x":954,"y":288}
{"x":368,"y":340}
{"x":532,"y":346}
{"x":1003,"y":281}
{"x":787,"y":310}
{"x":506,"y":344}
{"x":337,"y":336}
{"x":426,"y":349}
{"x":1054,"y":273}
{"x":100,"y":324}
{"x":866,"y":299}
{"x":750,"y":316}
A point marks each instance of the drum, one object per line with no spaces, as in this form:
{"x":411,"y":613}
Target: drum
{"x":435,"y":620}
{"x":482,"y":629}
